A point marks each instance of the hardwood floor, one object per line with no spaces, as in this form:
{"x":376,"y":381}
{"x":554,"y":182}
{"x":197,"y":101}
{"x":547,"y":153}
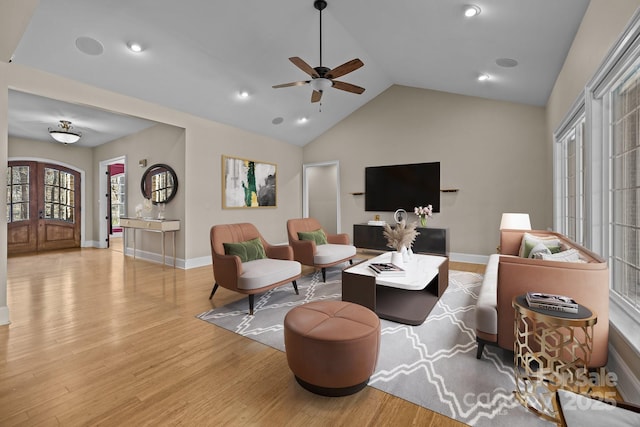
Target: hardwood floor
{"x":97,"y":338}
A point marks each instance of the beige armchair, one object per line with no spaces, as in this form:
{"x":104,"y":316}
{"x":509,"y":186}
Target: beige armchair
{"x":244,"y":262}
{"x":319,"y":254}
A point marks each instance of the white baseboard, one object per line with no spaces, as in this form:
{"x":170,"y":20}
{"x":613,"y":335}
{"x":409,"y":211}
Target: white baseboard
{"x":90,"y":244}
{"x":4,"y":315}
{"x":198,"y":262}
{"x":628,"y":384}
{"x":470,"y":258}
{"x":154,"y":257}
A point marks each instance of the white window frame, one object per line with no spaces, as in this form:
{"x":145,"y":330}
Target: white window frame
{"x":574,"y":127}
{"x":623,"y":55}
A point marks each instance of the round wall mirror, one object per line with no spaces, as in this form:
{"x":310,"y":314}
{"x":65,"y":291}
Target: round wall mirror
{"x":159,"y":183}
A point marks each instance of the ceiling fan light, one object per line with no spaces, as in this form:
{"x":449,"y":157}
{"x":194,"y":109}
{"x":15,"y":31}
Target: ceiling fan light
{"x":64,"y":134}
{"x":321,"y":84}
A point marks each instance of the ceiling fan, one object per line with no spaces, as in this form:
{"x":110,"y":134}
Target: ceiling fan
{"x":322,"y":77}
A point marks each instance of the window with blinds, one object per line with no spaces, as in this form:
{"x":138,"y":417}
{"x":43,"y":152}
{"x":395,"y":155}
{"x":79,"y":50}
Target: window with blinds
{"x":625,"y":187}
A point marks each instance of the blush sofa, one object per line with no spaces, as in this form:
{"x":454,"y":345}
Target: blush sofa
{"x":508,"y":275}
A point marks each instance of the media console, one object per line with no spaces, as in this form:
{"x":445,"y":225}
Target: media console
{"x":429,"y":241}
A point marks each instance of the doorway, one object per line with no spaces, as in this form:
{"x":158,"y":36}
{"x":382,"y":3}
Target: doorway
{"x":321,"y":194}
{"x":43,"y":207}
{"x":117,"y":196}
{"x":113,"y":206}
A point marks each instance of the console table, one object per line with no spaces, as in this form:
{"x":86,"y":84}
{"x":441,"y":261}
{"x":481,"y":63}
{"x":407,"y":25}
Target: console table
{"x":154,"y":225}
{"x":429,"y":241}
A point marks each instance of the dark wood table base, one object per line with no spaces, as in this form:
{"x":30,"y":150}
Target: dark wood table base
{"x":398,"y":305}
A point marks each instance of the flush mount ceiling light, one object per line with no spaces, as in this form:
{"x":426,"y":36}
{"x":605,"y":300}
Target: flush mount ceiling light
{"x":471,"y":10}
{"x":64,"y":133}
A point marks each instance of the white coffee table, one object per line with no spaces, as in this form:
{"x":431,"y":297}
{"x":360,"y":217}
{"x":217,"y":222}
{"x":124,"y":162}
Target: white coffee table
{"x":406,"y":299}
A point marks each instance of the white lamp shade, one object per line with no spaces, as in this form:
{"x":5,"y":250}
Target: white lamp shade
{"x":65,"y":137}
{"x":515,"y":221}
{"x":64,"y":133}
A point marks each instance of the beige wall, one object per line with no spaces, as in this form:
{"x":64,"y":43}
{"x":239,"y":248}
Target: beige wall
{"x":159,"y":144}
{"x":4,"y":142}
{"x":492,"y":151}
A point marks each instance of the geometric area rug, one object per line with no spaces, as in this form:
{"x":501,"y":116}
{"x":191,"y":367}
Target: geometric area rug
{"x":433,"y":365}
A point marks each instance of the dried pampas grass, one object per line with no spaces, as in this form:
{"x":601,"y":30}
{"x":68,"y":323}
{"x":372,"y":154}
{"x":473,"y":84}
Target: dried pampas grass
{"x":403,"y":235}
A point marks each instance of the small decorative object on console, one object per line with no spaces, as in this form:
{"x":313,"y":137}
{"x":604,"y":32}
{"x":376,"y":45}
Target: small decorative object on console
{"x":161,"y":208}
{"x":552,"y":302}
{"x":423,"y":213}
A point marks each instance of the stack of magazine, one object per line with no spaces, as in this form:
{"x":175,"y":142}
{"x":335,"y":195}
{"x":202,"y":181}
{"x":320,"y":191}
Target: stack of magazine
{"x":552,"y":302}
{"x":386,"y":269}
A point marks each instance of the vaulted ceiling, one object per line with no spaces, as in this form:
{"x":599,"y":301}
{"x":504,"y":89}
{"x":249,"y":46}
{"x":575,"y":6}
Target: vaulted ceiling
{"x":198,"y":55}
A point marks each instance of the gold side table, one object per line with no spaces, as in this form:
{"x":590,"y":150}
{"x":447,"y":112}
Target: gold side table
{"x":551,"y":351}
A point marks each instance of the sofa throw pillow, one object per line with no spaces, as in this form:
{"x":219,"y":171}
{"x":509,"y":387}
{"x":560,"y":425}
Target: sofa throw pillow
{"x":249,"y":250}
{"x":529,"y":241}
{"x":571,"y":255}
{"x":538,"y":250}
{"x":317,"y":236}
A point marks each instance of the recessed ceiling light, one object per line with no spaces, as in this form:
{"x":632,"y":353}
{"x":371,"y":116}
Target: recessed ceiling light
{"x":483,"y":77}
{"x":303,"y":120}
{"x":134,"y":47}
{"x":471,"y":10}
{"x":277,"y":120}
{"x":243,"y":94}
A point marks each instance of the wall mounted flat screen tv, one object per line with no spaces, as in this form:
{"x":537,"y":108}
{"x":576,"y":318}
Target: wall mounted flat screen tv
{"x":388,"y":188}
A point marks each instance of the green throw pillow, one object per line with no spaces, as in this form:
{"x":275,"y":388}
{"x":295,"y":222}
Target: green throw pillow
{"x":530,"y":241}
{"x":317,"y":236}
{"x":247,"y":251}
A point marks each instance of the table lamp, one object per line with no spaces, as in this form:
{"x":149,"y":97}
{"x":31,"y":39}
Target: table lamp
{"x":515,"y":221}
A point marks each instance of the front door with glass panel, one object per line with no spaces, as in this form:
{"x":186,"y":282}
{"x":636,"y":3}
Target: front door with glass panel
{"x":43,"y":207}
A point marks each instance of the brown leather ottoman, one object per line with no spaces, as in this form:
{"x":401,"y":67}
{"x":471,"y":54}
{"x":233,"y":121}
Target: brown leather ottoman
{"x":332,"y":346}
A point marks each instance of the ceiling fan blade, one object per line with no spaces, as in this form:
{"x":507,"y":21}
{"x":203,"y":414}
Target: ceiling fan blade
{"x":302,"y":83}
{"x":298,"y":62}
{"x":316,"y":95}
{"x":348,"y":87}
{"x":345,"y":68}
